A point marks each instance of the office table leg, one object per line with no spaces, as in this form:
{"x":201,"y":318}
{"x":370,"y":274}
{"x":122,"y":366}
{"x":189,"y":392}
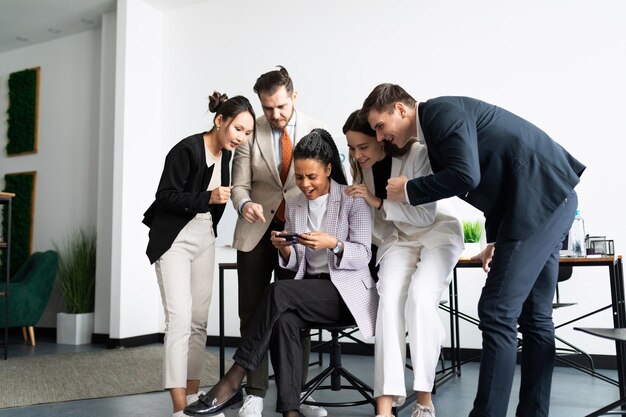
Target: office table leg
{"x":454,"y":330}
{"x":619,"y":321}
{"x":221,"y":313}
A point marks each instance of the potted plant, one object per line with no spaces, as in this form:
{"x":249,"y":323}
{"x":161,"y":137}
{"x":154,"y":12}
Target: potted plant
{"x":472,"y":232}
{"x":77,"y":275}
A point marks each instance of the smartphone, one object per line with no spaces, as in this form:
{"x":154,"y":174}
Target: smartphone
{"x":289,"y":237}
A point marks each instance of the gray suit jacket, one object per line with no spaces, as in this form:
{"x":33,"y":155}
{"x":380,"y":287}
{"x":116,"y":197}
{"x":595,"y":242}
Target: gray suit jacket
{"x":348,"y":219}
{"x":255,"y":177}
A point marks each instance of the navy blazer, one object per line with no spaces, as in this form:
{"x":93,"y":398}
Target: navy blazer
{"x":182,"y":193}
{"x":496,"y":161}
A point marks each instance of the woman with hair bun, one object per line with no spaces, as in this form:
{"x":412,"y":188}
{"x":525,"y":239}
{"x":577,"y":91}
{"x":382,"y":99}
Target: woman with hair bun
{"x":190,"y":200}
{"x":327,"y":242}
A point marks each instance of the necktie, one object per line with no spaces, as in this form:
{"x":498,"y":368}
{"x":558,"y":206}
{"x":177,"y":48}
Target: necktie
{"x":285,"y":162}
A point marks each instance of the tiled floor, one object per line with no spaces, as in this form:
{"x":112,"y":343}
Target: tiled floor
{"x":573,"y":394}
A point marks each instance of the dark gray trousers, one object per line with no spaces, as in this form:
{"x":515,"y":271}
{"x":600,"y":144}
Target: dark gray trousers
{"x":519,"y":291}
{"x":254,"y":273}
{"x":286,"y":308}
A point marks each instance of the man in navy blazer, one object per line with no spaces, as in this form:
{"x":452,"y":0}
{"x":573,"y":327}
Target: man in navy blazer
{"x":524,"y":183}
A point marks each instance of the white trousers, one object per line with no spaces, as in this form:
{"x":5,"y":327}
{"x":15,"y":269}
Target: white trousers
{"x":412,"y":280}
{"x":185,"y":275}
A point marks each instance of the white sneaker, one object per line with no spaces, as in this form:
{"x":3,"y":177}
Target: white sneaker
{"x":422,"y":411}
{"x":192,"y":398}
{"x":252,"y":407}
{"x":312,"y":410}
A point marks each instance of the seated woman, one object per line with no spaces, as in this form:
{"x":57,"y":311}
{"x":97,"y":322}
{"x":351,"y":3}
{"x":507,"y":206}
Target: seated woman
{"x":333,"y":284}
{"x":417,"y":248}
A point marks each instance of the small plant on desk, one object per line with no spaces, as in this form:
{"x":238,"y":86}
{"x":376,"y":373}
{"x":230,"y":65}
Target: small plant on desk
{"x":472,"y":231}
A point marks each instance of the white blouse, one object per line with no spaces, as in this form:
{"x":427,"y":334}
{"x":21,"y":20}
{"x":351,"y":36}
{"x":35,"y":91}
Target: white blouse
{"x":317,"y":260}
{"x":216,"y":178}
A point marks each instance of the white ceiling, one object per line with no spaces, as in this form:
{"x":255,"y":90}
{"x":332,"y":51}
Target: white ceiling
{"x":27,"y":22}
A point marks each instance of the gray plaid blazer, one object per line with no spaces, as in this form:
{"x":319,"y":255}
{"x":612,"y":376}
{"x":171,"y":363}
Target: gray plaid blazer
{"x":348,"y":219}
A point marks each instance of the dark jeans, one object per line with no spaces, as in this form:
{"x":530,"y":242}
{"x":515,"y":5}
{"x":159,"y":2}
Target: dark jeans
{"x":519,"y":290}
{"x":286,"y":308}
{"x":254,"y":273}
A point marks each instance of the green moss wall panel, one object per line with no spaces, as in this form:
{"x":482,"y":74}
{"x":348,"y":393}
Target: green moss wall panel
{"x":23,"y":112}
{"x":23,"y":185}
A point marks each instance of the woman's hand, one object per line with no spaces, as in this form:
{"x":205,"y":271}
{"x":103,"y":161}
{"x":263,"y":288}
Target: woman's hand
{"x":317,"y":240}
{"x":280,"y":243}
{"x":486,"y":255}
{"x":277,"y":240}
{"x":220,"y":195}
{"x":360,"y":190}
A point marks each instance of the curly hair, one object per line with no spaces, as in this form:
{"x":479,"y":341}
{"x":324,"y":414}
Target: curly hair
{"x":319,"y":144}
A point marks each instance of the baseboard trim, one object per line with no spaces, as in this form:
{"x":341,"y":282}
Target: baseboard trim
{"x":608,"y":362}
{"x":135,"y":341}
{"x":50,"y":333}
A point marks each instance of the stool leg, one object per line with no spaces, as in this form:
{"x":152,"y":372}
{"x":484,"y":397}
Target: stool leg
{"x":24,"y":335}
{"x":335,"y":379}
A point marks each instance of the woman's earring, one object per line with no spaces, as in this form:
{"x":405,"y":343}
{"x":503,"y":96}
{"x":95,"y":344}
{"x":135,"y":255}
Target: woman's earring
{"x":218,"y":128}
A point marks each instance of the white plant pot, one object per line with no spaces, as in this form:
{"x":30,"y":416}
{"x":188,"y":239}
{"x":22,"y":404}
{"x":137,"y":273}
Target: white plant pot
{"x":470,"y":250}
{"x":74,"y":329}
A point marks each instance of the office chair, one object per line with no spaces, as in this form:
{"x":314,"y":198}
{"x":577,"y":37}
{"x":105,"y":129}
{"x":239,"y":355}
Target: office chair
{"x":619,"y":337}
{"x":30,"y":291}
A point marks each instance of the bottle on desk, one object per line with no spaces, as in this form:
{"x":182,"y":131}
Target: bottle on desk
{"x":577,"y":237}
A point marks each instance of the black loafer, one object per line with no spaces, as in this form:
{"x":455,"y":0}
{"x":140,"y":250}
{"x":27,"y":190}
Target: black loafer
{"x":207,"y":404}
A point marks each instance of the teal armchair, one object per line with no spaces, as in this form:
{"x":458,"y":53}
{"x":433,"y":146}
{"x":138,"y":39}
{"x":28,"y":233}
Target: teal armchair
{"x":29,"y":291}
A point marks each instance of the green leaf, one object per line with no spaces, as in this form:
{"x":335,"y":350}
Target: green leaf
{"x":77,"y":271}
{"x":472,"y":231}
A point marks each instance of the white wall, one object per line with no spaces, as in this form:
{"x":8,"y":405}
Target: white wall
{"x":135,"y":303}
{"x":67,"y":157}
{"x":559,"y":64}
{"x":105,"y":174}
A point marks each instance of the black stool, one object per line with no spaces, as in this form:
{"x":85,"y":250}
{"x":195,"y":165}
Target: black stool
{"x":335,"y":370}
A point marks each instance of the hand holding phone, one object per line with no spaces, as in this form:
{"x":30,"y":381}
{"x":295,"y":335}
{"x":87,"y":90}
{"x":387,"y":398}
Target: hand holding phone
{"x":289,"y":237}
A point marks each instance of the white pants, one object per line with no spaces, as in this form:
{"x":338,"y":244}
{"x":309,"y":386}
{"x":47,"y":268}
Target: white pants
{"x":185,"y":275}
{"x":411,"y":282}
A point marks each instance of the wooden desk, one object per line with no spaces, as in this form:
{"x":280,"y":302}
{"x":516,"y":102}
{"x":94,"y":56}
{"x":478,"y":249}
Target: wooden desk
{"x":616,"y":278}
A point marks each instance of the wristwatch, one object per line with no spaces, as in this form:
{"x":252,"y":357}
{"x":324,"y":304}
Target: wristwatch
{"x":338,"y":249}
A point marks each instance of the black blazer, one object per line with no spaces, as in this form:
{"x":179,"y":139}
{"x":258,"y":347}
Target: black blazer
{"x":182,"y":193}
{"x":496,"y":161}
